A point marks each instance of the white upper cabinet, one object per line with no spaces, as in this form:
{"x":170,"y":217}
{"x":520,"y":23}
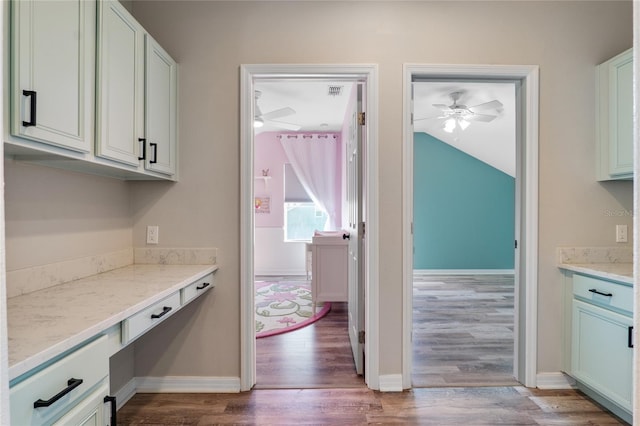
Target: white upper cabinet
{"x":160,"y":109}
{"x":614,"y":119}
{"x":137,"y":86}
{"x":120,"y":84}
{"x":52,"y":72}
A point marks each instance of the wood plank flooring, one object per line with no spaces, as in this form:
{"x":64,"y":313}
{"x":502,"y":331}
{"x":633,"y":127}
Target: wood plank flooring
{"x":315,"y":356}
{"x":463,"y":330}
{"x":435,"y":406}
{"x":448,"y":350}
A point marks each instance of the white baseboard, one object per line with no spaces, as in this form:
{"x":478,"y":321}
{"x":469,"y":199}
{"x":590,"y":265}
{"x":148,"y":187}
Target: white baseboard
{"x":554,"y":381}
{"x":463,"y":271}
{"x":187,"y":384}
{"x":125,"y":393}
{"x":390,"y":383}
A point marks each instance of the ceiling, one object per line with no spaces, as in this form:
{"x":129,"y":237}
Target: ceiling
{"x":315,"y":110}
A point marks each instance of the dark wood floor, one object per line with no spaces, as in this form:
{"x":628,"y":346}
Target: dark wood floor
{"x":315,"y":356}
{"x":319,"y":357}
{"x":434,"y":406}
{"x":463,"y":330}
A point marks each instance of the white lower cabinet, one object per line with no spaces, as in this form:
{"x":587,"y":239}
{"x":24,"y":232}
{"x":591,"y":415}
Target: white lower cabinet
{"x":602,"y":343}
{"x":67,"y":391}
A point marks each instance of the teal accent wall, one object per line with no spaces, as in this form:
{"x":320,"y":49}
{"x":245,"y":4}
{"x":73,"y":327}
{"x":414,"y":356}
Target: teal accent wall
{"x":464,"y":209}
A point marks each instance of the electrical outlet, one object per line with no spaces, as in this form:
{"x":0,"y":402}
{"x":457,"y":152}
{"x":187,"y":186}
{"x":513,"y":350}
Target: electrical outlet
{"x":152,"y":234}
{"x":621,"y":233}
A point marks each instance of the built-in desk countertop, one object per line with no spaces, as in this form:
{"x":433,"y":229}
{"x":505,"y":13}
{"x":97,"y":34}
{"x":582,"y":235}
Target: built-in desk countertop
{"x":46,"y":323}
{"x":621,"y":272}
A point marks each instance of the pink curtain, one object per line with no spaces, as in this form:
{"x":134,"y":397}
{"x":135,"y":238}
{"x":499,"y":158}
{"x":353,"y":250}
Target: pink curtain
{"x":316,"y":161}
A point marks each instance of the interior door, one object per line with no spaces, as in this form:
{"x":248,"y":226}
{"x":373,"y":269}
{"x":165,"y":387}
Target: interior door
{"x":354,"y":155}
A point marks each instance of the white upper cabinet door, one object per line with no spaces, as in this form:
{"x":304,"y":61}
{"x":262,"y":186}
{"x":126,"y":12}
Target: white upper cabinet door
{"x":120,"y":84}
{"x":160,"y":109}
{"x":621,"y":115}
{"x":52,"y":73}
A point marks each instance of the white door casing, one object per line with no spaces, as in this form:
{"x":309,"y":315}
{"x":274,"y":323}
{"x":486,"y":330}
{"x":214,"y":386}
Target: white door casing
{"x":525,"y":360}
{"x":249,"y":73}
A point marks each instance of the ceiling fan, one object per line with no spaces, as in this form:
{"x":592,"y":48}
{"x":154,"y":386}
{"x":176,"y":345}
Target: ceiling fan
{"x":461,"y":116}
{"x":261,"y":119}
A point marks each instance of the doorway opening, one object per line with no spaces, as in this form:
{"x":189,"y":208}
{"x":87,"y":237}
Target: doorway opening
{"x":308,"y":144}
{"x":455,"y":119}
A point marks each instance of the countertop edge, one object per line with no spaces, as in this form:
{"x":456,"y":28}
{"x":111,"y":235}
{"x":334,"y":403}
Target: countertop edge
{"x":33,"y":361}
{"x":593,"y":270}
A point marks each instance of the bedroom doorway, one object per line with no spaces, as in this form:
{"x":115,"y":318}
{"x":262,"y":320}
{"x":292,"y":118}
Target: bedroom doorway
{"x":254,"y":176}
{"x":464,"y":226}
{"x":525,"y":79}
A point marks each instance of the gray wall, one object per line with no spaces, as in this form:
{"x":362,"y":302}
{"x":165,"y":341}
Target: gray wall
{"x":211,"y":39}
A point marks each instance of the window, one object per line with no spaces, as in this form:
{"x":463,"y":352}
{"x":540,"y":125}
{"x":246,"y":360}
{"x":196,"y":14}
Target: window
{"x":301,"y":220}
{"x":301,"y":216}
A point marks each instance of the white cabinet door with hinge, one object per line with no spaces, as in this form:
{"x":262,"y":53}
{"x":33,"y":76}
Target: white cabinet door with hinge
{"x":160,"y":109}
{"x":120,"y":84}
{"x":52,"y":72}
{"x":621,"y":115}
{"x":602,"y":352}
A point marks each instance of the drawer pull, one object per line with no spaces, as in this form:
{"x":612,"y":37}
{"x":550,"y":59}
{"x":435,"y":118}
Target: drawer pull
{"x":630,"y":337}
{"x":164,"y":312}
{"x":203,"y":286}
{"x":114,"y":412}
{"x":593,"y":290}
{"x":71,"y":385}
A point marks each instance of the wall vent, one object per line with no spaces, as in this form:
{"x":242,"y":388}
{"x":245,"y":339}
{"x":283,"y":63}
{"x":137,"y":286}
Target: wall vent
{"x":335,"y":90}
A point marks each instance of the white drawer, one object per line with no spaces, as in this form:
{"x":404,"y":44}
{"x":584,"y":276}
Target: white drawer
{"x":603,"y":293}
{"x":197,"y":288}
{"x":89,"y":364}
{"x":137,"y":324}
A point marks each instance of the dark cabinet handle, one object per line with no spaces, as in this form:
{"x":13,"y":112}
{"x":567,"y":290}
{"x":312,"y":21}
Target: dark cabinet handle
{"x":114,"y":411}
{"x":203,"y":286}
{"x":164,"y":312}
{"x":593,"y":290}
{"x":71,"y":385}
{"x":155,"y":153}
{"x":346,"y":236}
{"x":32,"y":110}
{"x":144,"y":148}
{"x":630,"y":337}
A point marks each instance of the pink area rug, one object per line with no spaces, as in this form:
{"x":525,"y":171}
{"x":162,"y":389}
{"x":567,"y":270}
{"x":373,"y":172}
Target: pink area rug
{"x":283,"y":306}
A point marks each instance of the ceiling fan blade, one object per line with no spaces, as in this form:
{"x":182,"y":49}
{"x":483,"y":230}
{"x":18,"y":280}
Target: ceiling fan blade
{"x":480,"y":117}
{"x":278,"y":113}
{"x":283,"y":125}
{"x":495,"y":104}
{"x":433,"y":117}
{"x":443,"y":107}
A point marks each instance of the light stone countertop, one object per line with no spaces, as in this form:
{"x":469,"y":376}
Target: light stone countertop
{"x":46,"y":323}
{"x":622,"y":272}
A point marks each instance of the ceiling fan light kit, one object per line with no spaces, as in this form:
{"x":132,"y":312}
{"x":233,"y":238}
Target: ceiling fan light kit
{"x":260,"y":119}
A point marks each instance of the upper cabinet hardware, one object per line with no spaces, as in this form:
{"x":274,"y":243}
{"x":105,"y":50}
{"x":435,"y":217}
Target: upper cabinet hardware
{"x":630,"y":337}
{"x":155,"y":153}
{"x":71,"y":385}
{"x":144,"y":148}
{"x":346,"y":236}
{"x":593,"y":290}
{"x":164,"y":312}
{"x":203,"y":286}
{"x":32,"y":107}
